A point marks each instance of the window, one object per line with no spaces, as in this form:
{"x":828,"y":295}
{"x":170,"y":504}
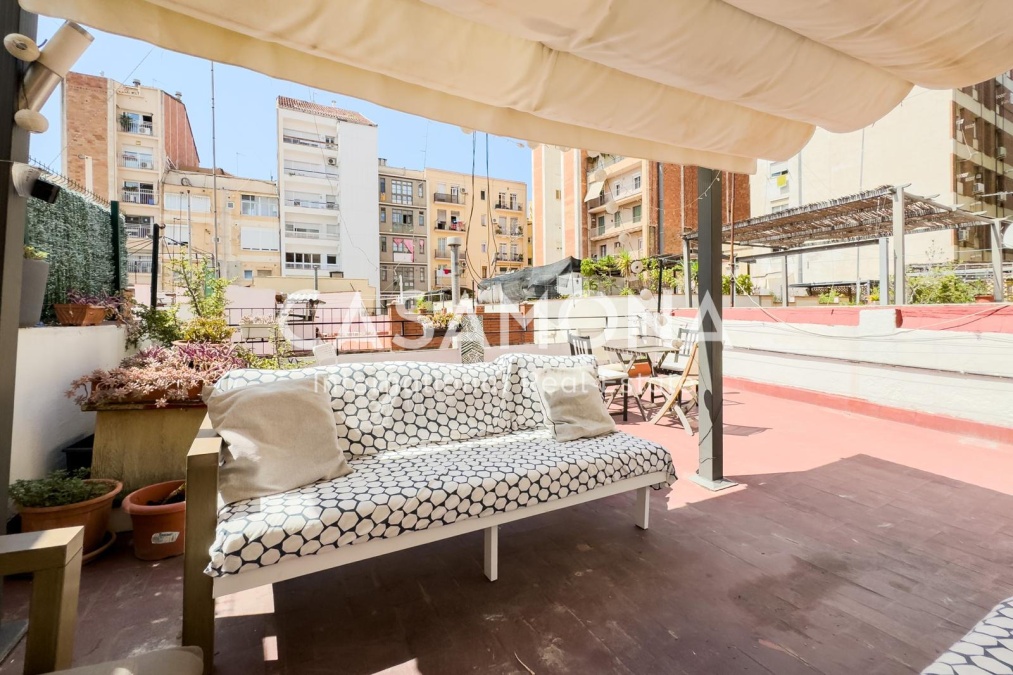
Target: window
{"x":637,"y":210}
{"x":301,"y":260}
{"x":636,"y":182}
{"x":383,"y":274}
{"x":383,"y":215}
{"x":400,"y":191}
{"x":383,"y":244}
{"x":618,"y":218}
{"x":136,"y":123}
{"x":441,"y":187}
{"x":483,"y":247}
{"x":182,"y":201}
{"x":138,"y":158}
{"x":258,"y":239}
{"x":502,"y":251}
{"x":421,"y":246}
{"x":422,"y":218}
{"x":514,"y":204}
{"x":441,"y":218}
{"x":248,"y":275}
{"x":485,"y":270}
{"x":383,"y":186}
{"x":603,"y":250}
{"x":501,"y":200}
{"x":482,"y":193}
{"x":401,"y":220}
{"x":601,"y":222}
{"x":455,"y":194}
{"x":231,"y":205}
{"x":617,"y":188}
{"x":617,"y":247}
{"x":483,"y":220}
{"x":138,"y":226}
{"x":139,"y":193}
{"x":441,"y":247}
{"x":176,"y":234}
{"x":332,"y":259}
{"x":255,"y":205}
{"x":422,"y":190}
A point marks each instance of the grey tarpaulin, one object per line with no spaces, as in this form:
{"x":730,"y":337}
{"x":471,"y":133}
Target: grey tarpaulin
{"x":530,"y":283}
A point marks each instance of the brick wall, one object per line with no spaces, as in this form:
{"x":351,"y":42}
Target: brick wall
{"x":180,"y":147}
{"x":86,"y":106}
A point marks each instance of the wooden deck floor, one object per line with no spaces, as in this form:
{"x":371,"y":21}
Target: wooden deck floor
{"x":838,"y":562}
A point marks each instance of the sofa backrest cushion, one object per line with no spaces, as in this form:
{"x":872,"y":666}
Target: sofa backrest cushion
{"x":521,"y":402}
{"x":392,"y":406}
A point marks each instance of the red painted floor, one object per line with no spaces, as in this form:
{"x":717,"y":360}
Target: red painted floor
{"x":853,"y":545}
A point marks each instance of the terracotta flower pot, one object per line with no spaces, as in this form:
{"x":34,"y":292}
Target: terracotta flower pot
{"x":93,"y":515}
{"x":159,"y":531}
{"x":79,"y":315}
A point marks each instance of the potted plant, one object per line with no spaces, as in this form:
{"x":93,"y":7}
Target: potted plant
{"x":63,"y":499}
{"x":34,"y":276}
{"x":126,"y":123}
{"x":260,"y":327}
{"x":440,"y":321}
{"x":158,"y":514}
{"x":82,"y":309}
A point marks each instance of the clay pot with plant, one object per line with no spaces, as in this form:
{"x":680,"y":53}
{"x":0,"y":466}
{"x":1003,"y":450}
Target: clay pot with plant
{"x":64,"y":499}
{"x":158,"y":514}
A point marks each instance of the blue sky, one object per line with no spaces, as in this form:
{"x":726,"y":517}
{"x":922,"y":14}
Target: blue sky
{"x":245,"y":114}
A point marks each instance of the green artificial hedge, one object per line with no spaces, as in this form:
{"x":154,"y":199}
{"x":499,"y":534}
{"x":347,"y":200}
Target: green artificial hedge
{"x":77,"y":235}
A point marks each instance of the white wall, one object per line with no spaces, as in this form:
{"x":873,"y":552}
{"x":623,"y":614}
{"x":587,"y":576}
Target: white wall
{"x":360,"y":224}
{"x":44,"y":419}
{"x":550,"y":239}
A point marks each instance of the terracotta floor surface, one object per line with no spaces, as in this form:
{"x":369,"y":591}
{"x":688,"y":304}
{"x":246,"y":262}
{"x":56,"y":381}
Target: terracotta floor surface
{"x":853,"y":545}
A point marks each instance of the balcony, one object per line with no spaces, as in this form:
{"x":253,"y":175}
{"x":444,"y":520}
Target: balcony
{"x":310,"y":232}
{"x":448,"y":198}
{"x":308,"y":140}
{"x":142,"y":128}
{"x":139,"y":231}
{"x":147,"y":197}
{"x":311,"y":204}
{"x":134,"y":162}
{"x":509,"y":206}
{"x":312,"y":266}
{"x":442,"y":253}
{"x":450,"y":227}
{"x":319,"y":172}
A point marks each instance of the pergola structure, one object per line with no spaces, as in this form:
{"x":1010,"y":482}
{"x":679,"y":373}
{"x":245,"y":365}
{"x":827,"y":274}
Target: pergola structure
{"x":863,"y":219}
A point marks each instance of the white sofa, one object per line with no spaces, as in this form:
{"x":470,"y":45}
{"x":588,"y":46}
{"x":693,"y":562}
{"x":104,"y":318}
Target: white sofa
{"x":437,"y":450}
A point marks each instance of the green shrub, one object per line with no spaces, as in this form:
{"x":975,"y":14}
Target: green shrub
{"x":59,"y":488}
{"x":201,"y":329}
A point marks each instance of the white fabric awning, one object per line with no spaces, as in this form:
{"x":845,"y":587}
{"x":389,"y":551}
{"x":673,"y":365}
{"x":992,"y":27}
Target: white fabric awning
{"x":594,"y":189}
{"x":716,"y":83}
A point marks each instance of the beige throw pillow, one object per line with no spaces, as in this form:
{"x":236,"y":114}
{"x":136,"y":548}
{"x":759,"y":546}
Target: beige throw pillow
{"x":572,"y":403}
{"x":280,"y":436}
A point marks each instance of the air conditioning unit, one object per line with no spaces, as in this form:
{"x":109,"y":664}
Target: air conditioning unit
{"x":979,"y":188}
{"x":963,"y":235}
{"x":146,"y":131}
{"x":332,"y":161}
{"x":332,"y":205}
{"x":1001,"y":153}
{"x":296,"y":202}
{"x":145,"y":165}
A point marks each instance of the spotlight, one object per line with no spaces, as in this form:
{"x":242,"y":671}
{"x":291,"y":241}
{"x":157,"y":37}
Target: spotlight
{"x":48,"y":68}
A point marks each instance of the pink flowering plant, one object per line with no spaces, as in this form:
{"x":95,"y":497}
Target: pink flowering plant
{"x":159,"y":374}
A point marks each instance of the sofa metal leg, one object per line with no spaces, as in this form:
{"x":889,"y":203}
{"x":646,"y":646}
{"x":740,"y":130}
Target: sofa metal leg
{"x":643,"y":507}
{"x":492,"y":552}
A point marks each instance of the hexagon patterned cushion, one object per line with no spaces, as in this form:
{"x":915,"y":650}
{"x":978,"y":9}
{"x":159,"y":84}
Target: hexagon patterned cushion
{"x":986,"y":650}
{"x":427,"y":486}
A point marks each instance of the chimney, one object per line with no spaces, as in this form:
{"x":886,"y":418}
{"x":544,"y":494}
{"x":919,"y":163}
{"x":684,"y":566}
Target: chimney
{"x":383,"y":161}
{"x":137,"y":83}
{"x":179,"y":95}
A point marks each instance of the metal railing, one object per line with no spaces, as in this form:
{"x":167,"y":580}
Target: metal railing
{"x":139,"y":231}
{"x":311,"y":204}
{"x":509,"y":206}
{"x":134,"y":162}
{"x":451,"y":227}
{"x":312,"y":266}
{"x":447,"y":198}
{"x":309,"y":140}
{"x":140,"y":197}
{"x":143,"y":128}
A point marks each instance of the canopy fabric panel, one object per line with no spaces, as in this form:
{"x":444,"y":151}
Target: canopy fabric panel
{"x":715,"y":83}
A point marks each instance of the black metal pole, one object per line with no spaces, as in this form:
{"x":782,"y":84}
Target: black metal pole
{"x":114,"y":222}
{"x":154,"y":265}
{"x":13,"y":213}
{"x":661,"y":273}
{"x":710,"y":473}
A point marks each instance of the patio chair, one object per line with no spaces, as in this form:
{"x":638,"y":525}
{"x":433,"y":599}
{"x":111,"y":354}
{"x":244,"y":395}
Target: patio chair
{"x":325,"y":354}
{"x":610,"y":378}
{"x":675,"y":385}
{"x":53,"y":558}
{"x":674,"y":365}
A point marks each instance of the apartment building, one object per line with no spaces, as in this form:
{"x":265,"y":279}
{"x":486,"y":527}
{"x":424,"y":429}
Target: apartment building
{"x":327,"y":179}
{"x":488,"y":214}
{"x":591,"y":204}
{"x":950,"y":143}
{"x":247,"y":223}
{"x":404,"y":231}
{"x":120,"y":141}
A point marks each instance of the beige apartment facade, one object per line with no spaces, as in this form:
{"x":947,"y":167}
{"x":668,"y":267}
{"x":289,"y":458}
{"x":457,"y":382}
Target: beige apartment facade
{"x":404,"y":232}
{"x":949,"y":144}
{"x":487,"y":214}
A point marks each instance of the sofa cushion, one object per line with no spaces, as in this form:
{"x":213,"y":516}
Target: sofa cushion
{"x":986,"y":649}
{"x":171,"y":661}
{"x":423,"y":487}
{"x":522,"y":405}
{"x":280,"y":436}
{"x":572,"y":403}
{"x":395,"y":405}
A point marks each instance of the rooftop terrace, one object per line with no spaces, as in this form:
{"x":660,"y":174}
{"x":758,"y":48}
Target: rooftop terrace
{"x":853,"y":545}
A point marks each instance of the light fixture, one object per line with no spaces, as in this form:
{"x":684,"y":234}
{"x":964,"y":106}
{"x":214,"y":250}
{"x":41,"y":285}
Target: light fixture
{"x":48,"y":68}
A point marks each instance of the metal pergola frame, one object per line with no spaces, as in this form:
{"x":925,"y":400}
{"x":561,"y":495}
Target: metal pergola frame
{"x":863,"y":219}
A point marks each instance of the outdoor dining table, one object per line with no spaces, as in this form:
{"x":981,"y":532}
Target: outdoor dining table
{"x":650,"y":349}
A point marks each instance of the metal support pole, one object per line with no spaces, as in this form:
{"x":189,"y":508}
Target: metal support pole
{"x":155,"y":236}
{"x":114,"y":223}
{"x":784,"y":281}
{"x":13,"y":215}
{"x":899,"y":266}
{"x":1000,"y":288}
{"x":455,"y":266}
{"x":884,"y":271}
{"x":661,"y":270}
{"x":687,"y":272}
{"x":710,"y":473}
{"x":858,"y":275}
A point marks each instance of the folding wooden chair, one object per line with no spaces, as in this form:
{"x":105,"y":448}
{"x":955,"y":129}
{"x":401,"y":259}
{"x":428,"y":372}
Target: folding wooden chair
{"x":675,"y":385}
{"x":610,"y":378}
